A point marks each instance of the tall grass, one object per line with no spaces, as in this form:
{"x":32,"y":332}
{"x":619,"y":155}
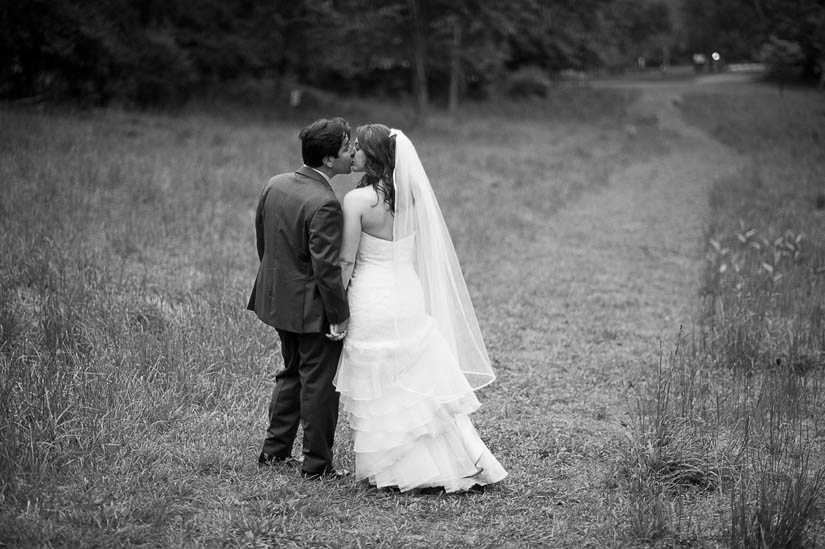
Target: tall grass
{"x":120,"y":289}
{"x":738,"y":413}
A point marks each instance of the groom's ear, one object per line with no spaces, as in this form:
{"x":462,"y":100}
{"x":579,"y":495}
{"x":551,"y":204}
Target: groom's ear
{"x":328,"y":161}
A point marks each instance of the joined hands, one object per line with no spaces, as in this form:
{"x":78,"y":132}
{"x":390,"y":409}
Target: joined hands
{"x":337,"y":332}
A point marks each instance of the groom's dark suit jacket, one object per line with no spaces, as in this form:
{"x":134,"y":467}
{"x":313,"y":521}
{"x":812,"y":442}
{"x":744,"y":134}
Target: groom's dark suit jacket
{"x":298,"y":226}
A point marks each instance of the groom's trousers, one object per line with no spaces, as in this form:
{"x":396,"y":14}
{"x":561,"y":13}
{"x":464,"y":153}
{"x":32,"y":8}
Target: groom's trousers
{"x":304,"y":394}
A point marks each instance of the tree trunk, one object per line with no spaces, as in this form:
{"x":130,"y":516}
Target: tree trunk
{"x":665,"y":55}
{"x":419,"y":60}
{"x":455,"y":67}
{"x":757,"y":6}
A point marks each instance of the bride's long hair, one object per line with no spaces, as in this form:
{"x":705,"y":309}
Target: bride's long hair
{"x":379,"y":150}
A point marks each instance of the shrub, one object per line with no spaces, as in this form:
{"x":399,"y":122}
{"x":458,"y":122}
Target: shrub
{"x":783,"y":58}
{"x":528,"y":82}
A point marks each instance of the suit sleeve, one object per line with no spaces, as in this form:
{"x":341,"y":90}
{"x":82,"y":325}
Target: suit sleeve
{"x":325,"y":250}
{"x":259,"y":223}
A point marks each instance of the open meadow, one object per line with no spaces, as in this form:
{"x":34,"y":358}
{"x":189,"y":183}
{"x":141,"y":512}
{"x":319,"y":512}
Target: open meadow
{"x":647,"y":265}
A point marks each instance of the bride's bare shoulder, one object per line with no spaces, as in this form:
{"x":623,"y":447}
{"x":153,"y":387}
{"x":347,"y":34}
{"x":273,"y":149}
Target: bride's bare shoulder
{"x":359,"y":198}
{"x":362,"y":194}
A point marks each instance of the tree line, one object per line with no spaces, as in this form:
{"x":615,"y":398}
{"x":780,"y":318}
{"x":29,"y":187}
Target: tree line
{"x":149,"y":52}
{"x":788,"y":35}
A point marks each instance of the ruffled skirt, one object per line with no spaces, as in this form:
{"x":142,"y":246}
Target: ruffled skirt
{"x":403,"y":393}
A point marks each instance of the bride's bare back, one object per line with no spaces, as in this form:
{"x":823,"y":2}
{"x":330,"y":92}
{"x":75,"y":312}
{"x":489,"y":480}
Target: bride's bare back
{"x":376,"y":218}
{"x":374,"y":214}
{"x":364,"y":210}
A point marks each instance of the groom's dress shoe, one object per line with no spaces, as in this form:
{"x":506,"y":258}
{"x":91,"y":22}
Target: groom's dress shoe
{"x":332,"y":474}
{"x":270,"y":460}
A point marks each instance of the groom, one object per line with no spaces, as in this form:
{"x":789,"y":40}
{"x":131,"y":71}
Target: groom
{"x":299,"y":292}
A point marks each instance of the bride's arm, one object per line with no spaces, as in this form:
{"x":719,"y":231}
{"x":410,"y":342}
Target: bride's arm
{"x":351,"y":235}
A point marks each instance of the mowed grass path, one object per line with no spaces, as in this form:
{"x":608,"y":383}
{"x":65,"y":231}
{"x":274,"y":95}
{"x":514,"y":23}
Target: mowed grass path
{"x":597,"y":294}
{"x":581,"y":239}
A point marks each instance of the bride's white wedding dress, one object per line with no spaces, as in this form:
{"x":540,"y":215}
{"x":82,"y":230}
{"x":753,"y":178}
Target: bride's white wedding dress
{"x":401,"y":386}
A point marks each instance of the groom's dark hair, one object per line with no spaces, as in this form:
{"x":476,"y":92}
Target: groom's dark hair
{"x":323,"y":137}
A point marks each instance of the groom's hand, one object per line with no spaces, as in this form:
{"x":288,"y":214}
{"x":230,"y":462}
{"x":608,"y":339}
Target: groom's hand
{"x":337,"y":332}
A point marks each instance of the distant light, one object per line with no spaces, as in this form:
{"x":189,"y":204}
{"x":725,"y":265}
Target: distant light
{"x":716,"y":56}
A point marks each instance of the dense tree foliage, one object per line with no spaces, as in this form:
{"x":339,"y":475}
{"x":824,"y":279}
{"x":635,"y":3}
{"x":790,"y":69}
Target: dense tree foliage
{"x":146,"y":52}
{"x":781,"y":32}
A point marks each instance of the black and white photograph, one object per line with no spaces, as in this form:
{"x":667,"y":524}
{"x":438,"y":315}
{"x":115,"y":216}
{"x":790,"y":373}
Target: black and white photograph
{"x":412,"y":273}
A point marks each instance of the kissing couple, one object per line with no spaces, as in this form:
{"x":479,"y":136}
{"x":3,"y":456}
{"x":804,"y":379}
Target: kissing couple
{"x":371,"y":308}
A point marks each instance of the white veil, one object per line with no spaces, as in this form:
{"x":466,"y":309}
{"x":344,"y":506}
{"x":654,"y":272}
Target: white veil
{"x":445,"y":292}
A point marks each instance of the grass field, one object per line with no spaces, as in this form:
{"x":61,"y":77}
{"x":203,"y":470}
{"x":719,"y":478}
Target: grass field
{"x":134,"y":384}
{"x":739,"y":411}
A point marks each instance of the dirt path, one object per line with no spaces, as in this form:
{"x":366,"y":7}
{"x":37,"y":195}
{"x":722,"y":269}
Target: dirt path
{"x":616,"y":271}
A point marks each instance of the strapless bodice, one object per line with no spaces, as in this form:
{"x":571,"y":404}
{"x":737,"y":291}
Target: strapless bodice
{"x":377,"y":251}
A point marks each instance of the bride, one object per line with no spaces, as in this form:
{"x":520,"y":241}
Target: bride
{"x":413,"y":352}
